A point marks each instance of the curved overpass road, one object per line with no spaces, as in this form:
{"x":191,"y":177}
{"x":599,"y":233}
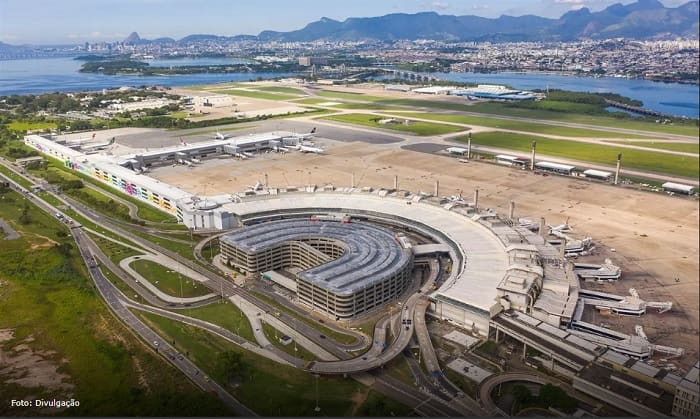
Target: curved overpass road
{"x":112,"y":297}
{"x":490,"y":383}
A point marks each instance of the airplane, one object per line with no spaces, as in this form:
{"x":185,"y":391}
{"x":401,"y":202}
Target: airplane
{"x":258,"y":186}
{"x":220,"y":136}
{"x":308,"y":149}
{"x":97,"y":146}
{"x":308,"y":136}
{"x":562,"y":228}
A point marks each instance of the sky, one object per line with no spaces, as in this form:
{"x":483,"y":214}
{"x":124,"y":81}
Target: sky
{"x":78,"y":21}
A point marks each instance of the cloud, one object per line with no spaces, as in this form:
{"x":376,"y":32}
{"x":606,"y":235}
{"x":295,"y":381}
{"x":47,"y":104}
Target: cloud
{"x":440,"y":5}
{"x":8,"y":37}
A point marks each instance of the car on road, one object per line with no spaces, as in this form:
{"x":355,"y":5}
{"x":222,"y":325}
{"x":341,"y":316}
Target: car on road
{"x":322,"y":336}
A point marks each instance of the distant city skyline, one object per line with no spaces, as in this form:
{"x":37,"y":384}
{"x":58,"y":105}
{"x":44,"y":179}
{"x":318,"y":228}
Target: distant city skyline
{"x":78,"y":21}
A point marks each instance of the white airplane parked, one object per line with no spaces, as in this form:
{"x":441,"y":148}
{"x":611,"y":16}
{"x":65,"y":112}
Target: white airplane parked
{"x":561,"y":228}
{"x":309,"y":149}
{"x":97,"y":146}
{"x":220,"y":136}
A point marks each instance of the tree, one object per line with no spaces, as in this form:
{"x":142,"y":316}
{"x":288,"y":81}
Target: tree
{"x":231,"y":365}
{"x":25,"y":219}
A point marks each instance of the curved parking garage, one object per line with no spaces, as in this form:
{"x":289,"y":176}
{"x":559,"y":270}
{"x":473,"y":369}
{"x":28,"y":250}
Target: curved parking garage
{"x":342,"y":269}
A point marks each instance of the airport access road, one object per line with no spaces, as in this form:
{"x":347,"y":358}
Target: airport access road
{"x":427,"y":406}
{"x":113,"y":297}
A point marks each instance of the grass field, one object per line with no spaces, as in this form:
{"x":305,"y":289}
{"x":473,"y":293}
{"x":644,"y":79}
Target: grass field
{"x":301,"y":352}
{"x":49,"y":303}
{"x":312,"y":101}
{"x":500,"y":109}
{"x":256,"y":94}
{"x":226,"y":315}
{"x":350,"y":96}
{"x":684,"y":147}
{"x":114,"y":251}
{"x":17,"y":178}
{"x":585,"y":152}
{"x":269,"y":388}
{"x":29,"y":125}
{"x":182,"y":249}
{"x":169,"y":280}
{"x":505,"y":110}
{"x":280,"y":89}
{"x":339,"y":337}
{"x":415,"y":127}
{"x":521,"y":126}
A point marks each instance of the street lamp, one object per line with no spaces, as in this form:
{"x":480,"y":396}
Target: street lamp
{"x":317,"y":409}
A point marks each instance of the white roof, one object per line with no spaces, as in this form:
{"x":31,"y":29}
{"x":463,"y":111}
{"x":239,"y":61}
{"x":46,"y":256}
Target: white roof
{"x":433,"y":89}
{"x":456,"y":150}
{"x":486,"y":260}
{"x":678,"y":186}
{"x":550,"y":165}
{"x":597,"y":173}
{"x":509,"y":158}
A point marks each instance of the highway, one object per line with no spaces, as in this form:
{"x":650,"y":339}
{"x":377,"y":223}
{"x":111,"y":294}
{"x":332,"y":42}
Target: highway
{"x":113,"y":297}
{"x":423,"y":404}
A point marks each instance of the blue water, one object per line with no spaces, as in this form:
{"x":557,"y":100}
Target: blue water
{"x":669,"y":98}
{"x":61,"y":75}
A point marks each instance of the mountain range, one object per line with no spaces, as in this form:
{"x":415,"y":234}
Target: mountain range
{"x":644,"y":19}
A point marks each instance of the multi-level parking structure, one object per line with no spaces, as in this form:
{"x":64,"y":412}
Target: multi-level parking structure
{"x":346,"y":269}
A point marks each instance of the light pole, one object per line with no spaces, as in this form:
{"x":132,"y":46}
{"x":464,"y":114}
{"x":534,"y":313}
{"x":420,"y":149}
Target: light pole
{"x":317,"y":409}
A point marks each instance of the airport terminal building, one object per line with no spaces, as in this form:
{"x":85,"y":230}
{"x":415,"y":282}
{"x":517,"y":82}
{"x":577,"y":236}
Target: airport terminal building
{"x":345,"y":269}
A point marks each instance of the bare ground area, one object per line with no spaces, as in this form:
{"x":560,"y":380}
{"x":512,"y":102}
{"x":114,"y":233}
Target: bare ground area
{"x":23,"y":366}
{"x":654,"y":236}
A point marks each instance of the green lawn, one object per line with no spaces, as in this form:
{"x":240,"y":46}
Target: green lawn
{"x":17,"y":178}
{"x":268,"y":388}
{"x":29,"y":125}
{"x":169,"y":280}
{"x":50,"y":304}
{"x":338,"y":336}
{"x":280,"y":89}
{"x":415,"y":127}
{"x":182,"y":249}
{"x":350,"y":96}
{"x":301,"y":352}
{"x":502,"y":109}
{"x":114,"y":251}
{"x":520,"y":126}
{"x":399,"y":369}
{"x":684,"y":147}
{"x":256,"y":94}
{"x":585,"y":152}
{"x":312,"y":101}
{"x":226,"y":315}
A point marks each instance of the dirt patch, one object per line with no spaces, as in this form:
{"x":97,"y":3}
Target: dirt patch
{"x":48,"y":243}
{"x":358,"y":399}
{"x":30,"y":368}
{"x":143,"y":377}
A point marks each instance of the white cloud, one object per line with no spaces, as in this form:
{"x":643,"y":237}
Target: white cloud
{"x":440,"y":5}
{"x":8,"y":37}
